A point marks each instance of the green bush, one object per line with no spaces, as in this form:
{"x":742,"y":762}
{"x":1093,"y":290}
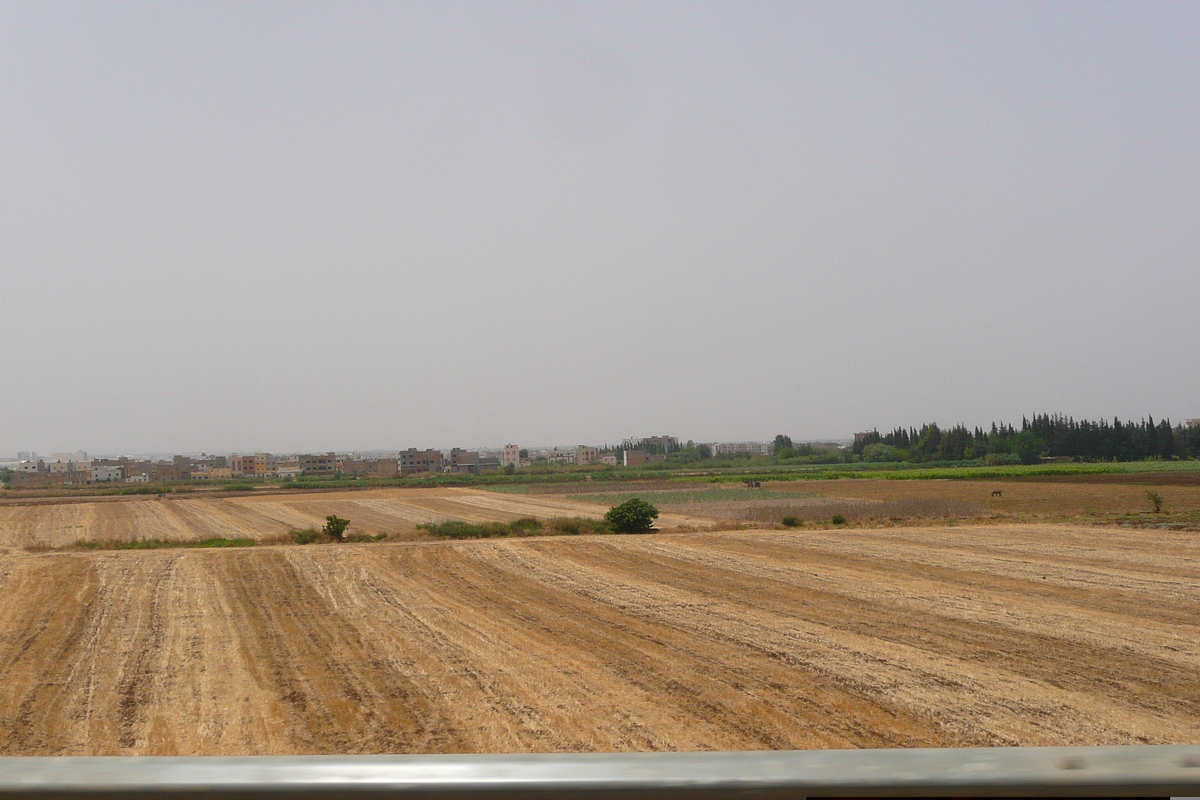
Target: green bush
{"x":577,"y":526}
{"x":363,"y":537}
{"x":632,"y":516}
{"x":335,"y":527}
{"x":838,"y":519}
{"x":306,"y":536}
{"x":791,"y":522}
{"x":526,"y":526}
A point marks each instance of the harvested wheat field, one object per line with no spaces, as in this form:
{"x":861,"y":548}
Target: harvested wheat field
{"x":885,"y":637}
{"x":263,"y":516}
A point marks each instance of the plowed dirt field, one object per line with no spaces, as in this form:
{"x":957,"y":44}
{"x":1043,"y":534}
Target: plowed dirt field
{"x":885,"y":637}
{"x":57,"y":522}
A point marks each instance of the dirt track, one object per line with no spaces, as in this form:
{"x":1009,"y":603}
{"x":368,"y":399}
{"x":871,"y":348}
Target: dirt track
{"x":35,"y":523}
{"x":877,"y":638}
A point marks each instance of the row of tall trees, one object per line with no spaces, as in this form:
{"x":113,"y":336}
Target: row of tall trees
{"x":1043,"y":435}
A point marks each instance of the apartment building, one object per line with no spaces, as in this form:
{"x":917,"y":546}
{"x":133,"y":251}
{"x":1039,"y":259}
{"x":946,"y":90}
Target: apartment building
{"x":107,"y":473}
{"x":512,"y":455}
{"x":586,"y":455}
{"x":414,"y":460}
{"x":557,"y":456}
{"x":466,"y":461}
{"x":317,"y":463}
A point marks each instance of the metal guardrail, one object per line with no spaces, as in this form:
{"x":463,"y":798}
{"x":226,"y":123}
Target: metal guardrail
{"x":1158,"y":770}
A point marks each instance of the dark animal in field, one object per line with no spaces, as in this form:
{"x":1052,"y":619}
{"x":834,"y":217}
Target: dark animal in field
{"x":997,"y":493}
{"x":753,"y":484}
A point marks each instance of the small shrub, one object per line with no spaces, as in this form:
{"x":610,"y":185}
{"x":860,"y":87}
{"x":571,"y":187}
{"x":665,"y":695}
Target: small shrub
{"x":306,"y":536}
{"x":1155,"y":500}
{"x":838,"y":519}
{"x":524,"y":526}
{"x":632,"y":516}
{"x":791,"y":522}
{"x":335,"y":527}
{"x":239,"y":487}
{"x":578,"y":526}
{"x":363,"y":537}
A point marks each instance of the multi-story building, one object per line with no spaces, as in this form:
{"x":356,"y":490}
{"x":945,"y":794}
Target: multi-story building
{"x":58,"y":467}
{"x":635,"y":458}
{"x":35,"y":467}
{"x":107,"y":470}
{"x":753,"y":448}
{"x":586,"y":455}
{"x":464,"y":461}
{"x":317,"y":463}
{"x":284,"y":466}
{"x":414,"y":460}
{"x":512,"y":455}
{"x":609,"y":458}
{"x":557,"y":456}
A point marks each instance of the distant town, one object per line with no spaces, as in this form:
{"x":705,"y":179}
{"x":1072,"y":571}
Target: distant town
{"x":1040,"y":438}
{"x":30,"y":470}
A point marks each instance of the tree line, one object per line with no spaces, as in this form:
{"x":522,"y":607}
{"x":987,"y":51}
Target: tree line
{"x":1051,"y":435}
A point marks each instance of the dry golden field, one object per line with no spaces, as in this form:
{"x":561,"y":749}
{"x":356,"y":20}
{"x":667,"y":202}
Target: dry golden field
{"x":868,"y":637}
{"x":58,"y":522}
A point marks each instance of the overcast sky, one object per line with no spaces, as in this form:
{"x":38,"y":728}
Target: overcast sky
{"x":259,"y":226}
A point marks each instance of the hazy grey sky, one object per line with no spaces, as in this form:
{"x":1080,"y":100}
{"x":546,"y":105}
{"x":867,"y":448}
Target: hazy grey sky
{"x":286,"y":226}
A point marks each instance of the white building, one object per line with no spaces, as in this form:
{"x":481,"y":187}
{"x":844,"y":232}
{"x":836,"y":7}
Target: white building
{"x":106,"y":473}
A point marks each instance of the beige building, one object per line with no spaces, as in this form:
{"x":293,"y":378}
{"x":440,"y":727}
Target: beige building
{"x":512,"y":455}
{"x":317,"y":463}
{"x":557,"y":456}
{"x":586,"y":455}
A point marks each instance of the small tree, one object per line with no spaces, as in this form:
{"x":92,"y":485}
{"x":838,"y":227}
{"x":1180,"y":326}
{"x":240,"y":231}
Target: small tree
{"x":335,"y":527}
{"x":632,"y":516}
{"x":1155,"y":500}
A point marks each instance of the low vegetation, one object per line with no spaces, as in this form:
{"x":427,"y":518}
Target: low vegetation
{"x":158,"y":544}
{"x":526,"y":526}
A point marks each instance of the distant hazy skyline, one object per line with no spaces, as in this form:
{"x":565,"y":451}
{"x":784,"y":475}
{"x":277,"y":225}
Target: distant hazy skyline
{"x":340,"y":226}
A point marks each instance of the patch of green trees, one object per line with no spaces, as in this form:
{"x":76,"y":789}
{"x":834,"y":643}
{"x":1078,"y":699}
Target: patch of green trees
{"x":1043,"y":435}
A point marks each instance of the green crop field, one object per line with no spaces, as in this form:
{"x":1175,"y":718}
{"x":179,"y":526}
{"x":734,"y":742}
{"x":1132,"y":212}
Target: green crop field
{"x":688,"y":496}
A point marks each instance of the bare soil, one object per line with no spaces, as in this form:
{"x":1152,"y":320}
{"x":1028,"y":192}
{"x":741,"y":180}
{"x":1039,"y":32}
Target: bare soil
{"x":887,"y":637}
